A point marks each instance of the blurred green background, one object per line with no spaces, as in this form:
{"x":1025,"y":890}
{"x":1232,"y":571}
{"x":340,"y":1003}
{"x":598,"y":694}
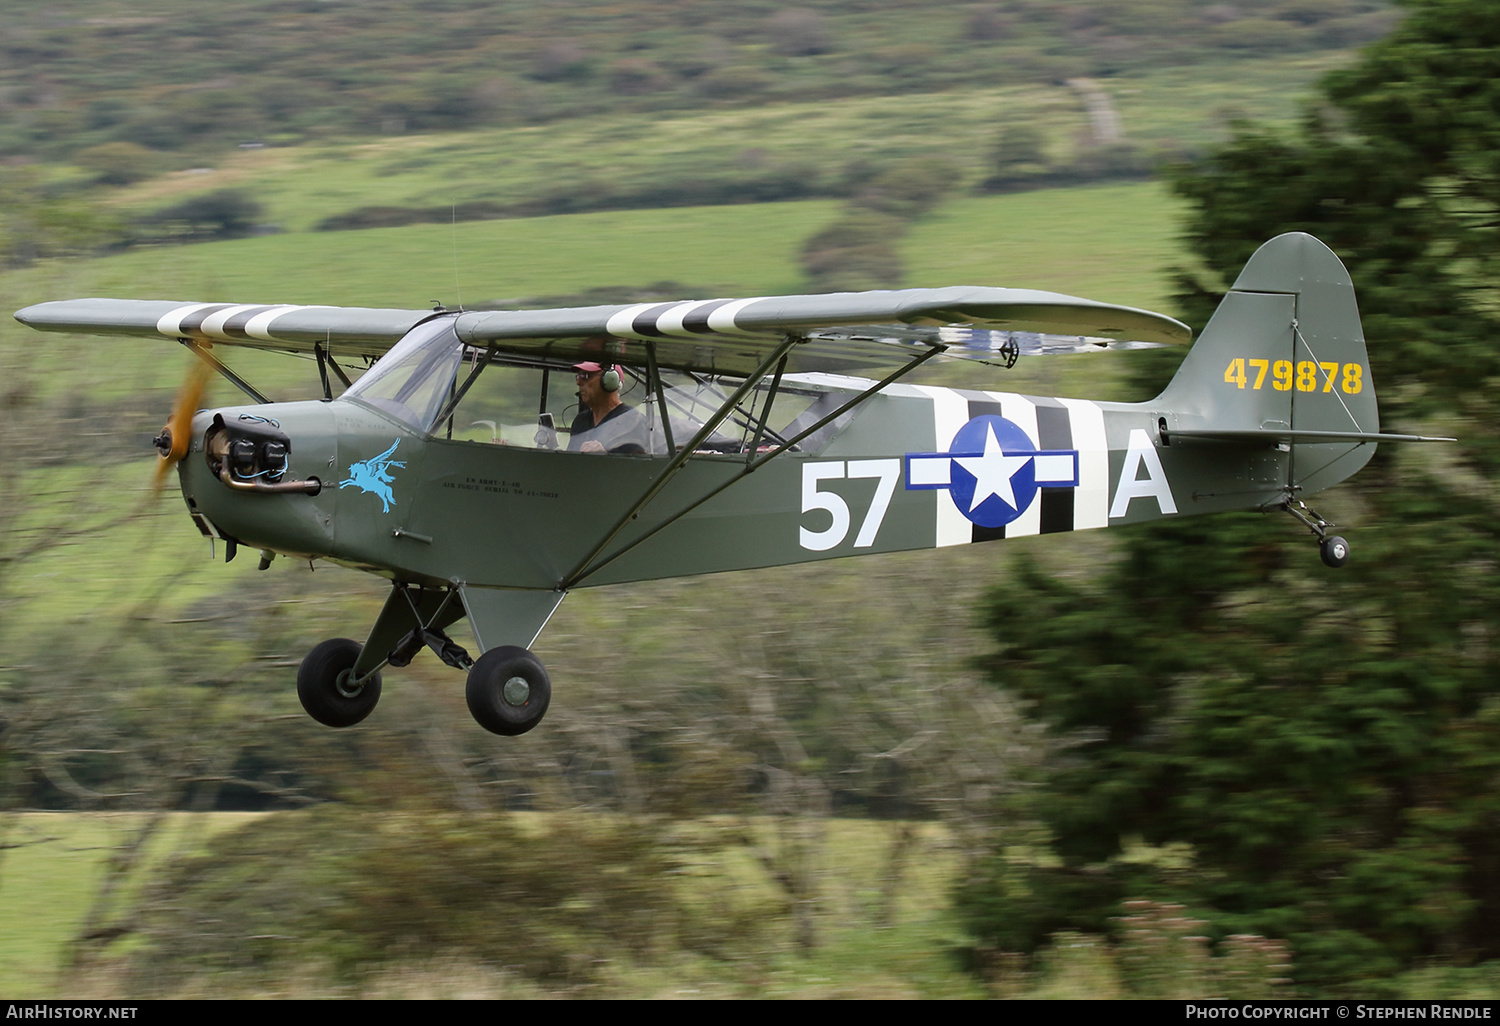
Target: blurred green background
{"x":1179,"y":761}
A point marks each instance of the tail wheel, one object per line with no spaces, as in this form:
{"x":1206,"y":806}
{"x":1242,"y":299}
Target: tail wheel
{"x":508,"y":691}
{"x":1334,"y":550}
{"x":326,"y":685}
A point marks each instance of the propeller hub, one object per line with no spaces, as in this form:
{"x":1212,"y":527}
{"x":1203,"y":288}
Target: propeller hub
{"x":163,"y":442}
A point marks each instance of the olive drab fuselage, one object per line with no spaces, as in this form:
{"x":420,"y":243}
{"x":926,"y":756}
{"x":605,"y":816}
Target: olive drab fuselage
{"x":437,"y":511}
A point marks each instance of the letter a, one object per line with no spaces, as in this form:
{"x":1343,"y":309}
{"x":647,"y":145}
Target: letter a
{"x":1153,"y":485}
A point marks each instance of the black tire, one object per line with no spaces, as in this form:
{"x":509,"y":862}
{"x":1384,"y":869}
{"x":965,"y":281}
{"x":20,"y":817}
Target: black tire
{"x":508,"y":691}
{"x":322,"y":685}
{"x":1334,"y":550}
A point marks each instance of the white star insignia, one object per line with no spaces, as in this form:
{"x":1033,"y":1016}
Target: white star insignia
{"x":992,"y":471}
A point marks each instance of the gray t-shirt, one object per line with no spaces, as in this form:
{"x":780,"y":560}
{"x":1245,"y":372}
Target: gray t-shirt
{"x":623,"y":430}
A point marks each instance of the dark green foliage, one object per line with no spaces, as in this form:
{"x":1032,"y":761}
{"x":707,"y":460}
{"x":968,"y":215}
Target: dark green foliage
{"x":224,"y":214}
{"x":908,"y":189}
{"x":740,"y":181}
{"x":1021,"y":160}
{"x":119,"y":163}
{"x":1022,"y":164}
{"x":854,"y":253}
{"x":1324,"y":743}
{"x":1398,"y":173}
{"x":858,"y":250}
{"x":395,"y":217}
{"x":798,"y":32}
{"x":1021,"y":148}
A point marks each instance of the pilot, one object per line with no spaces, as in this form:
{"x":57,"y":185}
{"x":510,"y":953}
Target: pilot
{"x":605,"y":423}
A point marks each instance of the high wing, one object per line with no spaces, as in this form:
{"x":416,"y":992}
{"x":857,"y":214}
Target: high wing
{"x":837,"y":331}
{"x":358,"y":331}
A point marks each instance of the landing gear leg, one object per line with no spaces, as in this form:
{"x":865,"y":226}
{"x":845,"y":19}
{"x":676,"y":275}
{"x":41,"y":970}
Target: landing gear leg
{"x":411,"y":618}
{"x":1333,"y":549}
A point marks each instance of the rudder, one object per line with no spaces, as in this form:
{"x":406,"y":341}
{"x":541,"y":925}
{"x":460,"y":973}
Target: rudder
{"x":1283,"y":357}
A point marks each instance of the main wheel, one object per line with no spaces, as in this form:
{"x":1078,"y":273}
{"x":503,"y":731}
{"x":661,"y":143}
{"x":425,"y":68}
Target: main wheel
{"x":1334,"y":550}
{"x":508,"y":691}
{"x":323,"y":685}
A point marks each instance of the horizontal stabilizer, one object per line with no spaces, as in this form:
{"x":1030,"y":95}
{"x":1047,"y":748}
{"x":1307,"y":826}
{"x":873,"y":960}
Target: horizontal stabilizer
{"x":1273,"y":436}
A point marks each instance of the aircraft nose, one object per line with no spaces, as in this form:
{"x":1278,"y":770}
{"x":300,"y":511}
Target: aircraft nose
{"x":261,"y":475}
{"x":250,"y":452}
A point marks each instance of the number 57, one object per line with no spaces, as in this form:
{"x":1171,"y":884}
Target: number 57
{"x":886,"y":472}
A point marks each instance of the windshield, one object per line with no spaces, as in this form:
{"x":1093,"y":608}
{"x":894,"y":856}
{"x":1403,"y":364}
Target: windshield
{"x":416,"y":377}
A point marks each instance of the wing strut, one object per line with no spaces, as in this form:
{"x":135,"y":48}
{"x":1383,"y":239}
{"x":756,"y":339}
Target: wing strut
{"x":661,"y":397}
{"x":200,"y":350}
{"x":836,"y":414}
{"x":325,"y":361}
{"x":588,"y":567}
{"x":746,"y":422}
{"x":322,"y":370}
{"x":765,"y":413}
{"x":677,"y":462}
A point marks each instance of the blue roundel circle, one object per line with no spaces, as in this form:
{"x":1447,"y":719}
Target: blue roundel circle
{"x":992,"y":468}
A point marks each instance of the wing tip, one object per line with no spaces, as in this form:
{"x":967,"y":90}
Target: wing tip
{"x":30,"y":315}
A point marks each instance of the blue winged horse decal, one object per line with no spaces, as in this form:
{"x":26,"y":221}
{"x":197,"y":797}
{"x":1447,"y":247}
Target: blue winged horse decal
{"x":373,"y":476}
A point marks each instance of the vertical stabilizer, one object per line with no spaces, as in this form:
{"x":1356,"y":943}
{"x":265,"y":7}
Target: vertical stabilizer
{"x":1284,"y":353}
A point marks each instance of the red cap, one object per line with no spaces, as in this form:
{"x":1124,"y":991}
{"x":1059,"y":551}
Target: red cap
{"x":588,"y":367}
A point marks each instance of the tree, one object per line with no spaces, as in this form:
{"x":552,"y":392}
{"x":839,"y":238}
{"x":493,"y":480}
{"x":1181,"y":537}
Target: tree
{"x":908,"y":189}
{"x":798,"y":32}
{"x":1314,"y":751}
{"x":222,"y":214}
{"x":855,"y":252}
{"x":119,"y":163}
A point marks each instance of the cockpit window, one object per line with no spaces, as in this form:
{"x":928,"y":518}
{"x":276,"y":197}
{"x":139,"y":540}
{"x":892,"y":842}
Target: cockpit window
{"x":532,"y":402}
{"x":534,"y":405}
{"x":413,"y":380}
{"x":692,"y":400}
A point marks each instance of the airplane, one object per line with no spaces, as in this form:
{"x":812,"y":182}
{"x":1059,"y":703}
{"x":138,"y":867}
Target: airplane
{"x":747,"y":441}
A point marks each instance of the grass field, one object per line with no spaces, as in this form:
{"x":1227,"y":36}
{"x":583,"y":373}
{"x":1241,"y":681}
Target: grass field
{"x":1172,"y":110}
{"x":1054,"y":239}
